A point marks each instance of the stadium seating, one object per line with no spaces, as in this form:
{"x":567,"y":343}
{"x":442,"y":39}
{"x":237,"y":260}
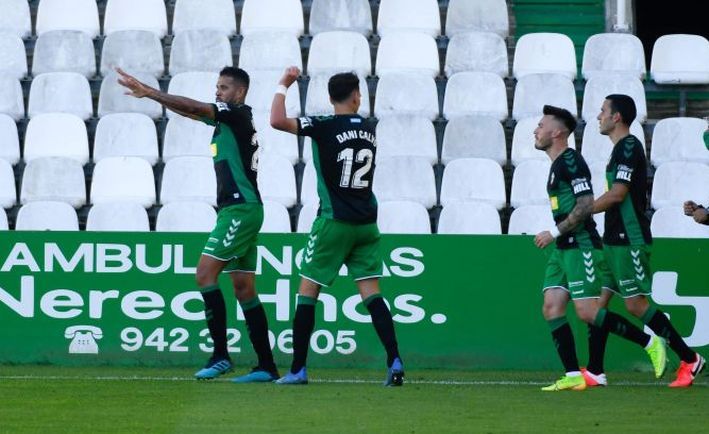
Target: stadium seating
{"x":403,"y":217}
{"x":133,"y":51}
{"x":123,"y":179}
{"x":9,"y":140}
{"x":469,"y":218}
{"x":275,"y":218}
{"x":348,"y":15}
{"x":186,"y":137}
{"x":679,"y":139}
{"x":534,"y":91}
{"x":529,"y":183}
{"x":112,"y":98}
{"x":407,"y":52}
{"x":3,"y":220}
{"x":189,"y":179}
{"x":64,"y":50}
{"x":272,"y":16}
{"x":55,"y":179}
{"x":56,"y":135}
{"x":596,"y":147}
{"x":14,"y":58}
{"x":191,"y":15}
{"x":339,"y":51}
{"x":613,"y":53}
{"x":186,"y":217}
{"x":124,"y":15}
{"x":599,"y":219}
{"x":317,"y":100}
{"x":523,"y":142}
{"x":676,"y":182}
{"x":530,"y":220}
{"x":79,"y":15}
{"x":15,"y":18}
{"x":477,"y":51}
{"x":11,"y":100}
{"x":261,"y":88}
{"x":406,"y":136}
{"x":199,"y":50}
{"x":276,"y":180}
{"x":272,"y":141}
{"x":680,"y":59}
{"x":406,"y":94}
{"x":598,"y":177}
{"x":475,"y":94}
{"x":597,"y":88}
{"x":308,"y":185}
{"x":47,"y":216}
{"x":126,"y":135}
{"x":200,"y":86}
{"x":477,"y":16}
{"x":405,"y":178}
{"x":8,"y":193}
{"x":399,"y":16}
{"x":670,"y":222}
{"x":118,"y":216}
{"x":544,"y":53}
{"x":473,"y":137}
{"x":64,"y":92}
{"x":488,"y":184}
{"x":306,"y":217}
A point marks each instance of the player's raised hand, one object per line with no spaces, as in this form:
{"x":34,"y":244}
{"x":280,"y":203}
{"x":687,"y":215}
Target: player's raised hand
{"x":543,"y":239}
{"x":689,"y":207}
{"x":289,"y":76}
{"x":135,"y":87}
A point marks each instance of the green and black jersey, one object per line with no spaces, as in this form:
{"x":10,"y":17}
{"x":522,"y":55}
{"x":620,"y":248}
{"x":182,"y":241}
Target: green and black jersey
{"x":344,"y":148}
{"x":235,"y":151}
{"x":626,"y":223}
{"x":570,"y":178}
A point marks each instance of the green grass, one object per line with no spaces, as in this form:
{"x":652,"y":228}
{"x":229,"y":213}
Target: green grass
{"x":48,"y":399}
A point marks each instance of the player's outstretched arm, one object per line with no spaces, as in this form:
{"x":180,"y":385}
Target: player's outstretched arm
{"x":180,"y":104}
{"x":279,"y":120}
{"x":610,"y":198}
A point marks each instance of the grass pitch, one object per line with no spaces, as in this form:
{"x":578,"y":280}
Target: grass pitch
{"x":48,"y":399}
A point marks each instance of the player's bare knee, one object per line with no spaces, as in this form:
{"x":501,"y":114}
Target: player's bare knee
{"x":552,"y":310}
{"x":204,"y":277}
{"x":636,"y":306}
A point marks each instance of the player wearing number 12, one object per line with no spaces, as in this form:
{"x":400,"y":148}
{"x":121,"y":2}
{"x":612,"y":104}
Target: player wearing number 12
{"x":345,"y":231}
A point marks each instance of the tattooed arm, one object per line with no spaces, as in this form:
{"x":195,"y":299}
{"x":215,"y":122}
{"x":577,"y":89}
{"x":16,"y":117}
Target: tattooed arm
{"x":582,"y":210}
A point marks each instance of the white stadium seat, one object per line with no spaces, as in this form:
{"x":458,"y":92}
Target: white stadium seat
{"x":148,"y":15}
{"x":544,"y":53}
{"x":133,"y":51}
{"x":406,"y":136}
{"x":57,"y":135}
{"x":409,"y":94}
{"x":402,"y":217}
{"x":488,"y":184}
{"x":531,"y":220}
{"x":348,"y":15}
{"x":276,"y":180}
{"x":123,"y":179}
{"x":401,"y":15}
{"x":118,"y":217}
{"x":11,"y":100}
{"x":306,"y":217}
{"x":15,"y":18}
{"x":676,"y":182}
{"x":79,"y":15}
{"x":8,"y":193}
{"x":126,"y":135}
{"x":670,"y":222}
{"x":613,"y":53}
{"x":47,"y":216}
{"x":317,"y":100}
{"x":595,"y":147}
{"x":534,"y":91}
{"x":64,"y":92}
{"x":308,"y":185}
{"x":3,"y":220}
{"x":200,"y":86}
{"x":275,"y":218}
{"x":112,"y":98}
{"x":598,"y":178}
{"x":475,"y":94}
{"x":219,"y":16}
{"x":523,"y":142}
{"x":272,"y":16}
{"x":405,"y":178}
{"x":474,"y":137}
{"x":261,"y":89}
{"x":339,"y":51}
{"x":679,"y":139}
{"x":407,"y":52}
{"x":9,"y":140}
{"x":273,"y":141}
{"x":477,"y":51}
{"x":680,"y":59}
{"x":186,"y":137}
{"x":200,"y":50}
{"x":269,"y":51}
{"x":54,"y":178}
{"x":599,"y":87}
{"x":14,"y":58}
{"x":190,"y":179}
{"x":600,"y":221}
{"x":186,"y":217}
{"x":64,"y":50}
{"x":468,"y":218}
{"x":477,"y":16}
{"x":529,"y":184}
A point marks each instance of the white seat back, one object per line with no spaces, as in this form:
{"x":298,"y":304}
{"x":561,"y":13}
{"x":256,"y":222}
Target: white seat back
{"x":488,"y":184}
{"x":200,"y":50}
{"x":680,"y":59}
{"x":670,"y":222}
{"x":613,"y":53}
{"x":15,"y":18}
{"x":599,"y":87}
{"x":406,"y":94}
{"x":64,"y":50}
{"x":276,"y":180}
{"x":8,"y":193}
{"x":422,"y":16}
{"x":348,"y":15}
{"x":123,"y":179}
{"x":676,"y":182}
{"x":269,"y":51}
{"x":306,"y":217}
{"x":11,"y":99}
{"x":474,"y":137}
{"x":112,"y":97}
{"x":275,"y":218}
{"x":190,"y":15}
{"x":9,"y":140}
{"x":477,"y":16}
{"x":186,"y":217}
{"x":272,"y":16}
{"x":126,"y":135}
{"x":406,"y":136}
{"x":200,"y":86}
{"x":12,"y":53}
{"x":531,"y":220}
{"x":79,"y":15}
{"x":191,"y":179}
{"x":57,"y":135}
{"x":544,"y":53}
{"x":260,"y":96}
{"x":133,"y":50}
{"x":679,"y":139}
{"x":64,"y":92}
{"x":118,"y":217}
{"x":124,"y":15}
{"x":534,"y":91}
{"x":54,"y":179}
{"x":185,"y":137}
{"x":407,"y":52}
{"x":3,"y":220}
{"x":339,"y":51}
{"x":273,"y":141}
{"x":47,"y":216}
{"x":405,"y":178}
{"x":529,"y":184}
{"x":477,"y":51}
{"x":475,"y":94}
{"x":403,"y":217}
{"x":469,"y":218}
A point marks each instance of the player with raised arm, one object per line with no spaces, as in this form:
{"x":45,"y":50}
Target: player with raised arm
{"x":231,"y":247}
{"x":345,"y":231}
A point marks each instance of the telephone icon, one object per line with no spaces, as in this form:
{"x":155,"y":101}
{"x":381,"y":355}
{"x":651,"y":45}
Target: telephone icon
{"x":83,"y":339}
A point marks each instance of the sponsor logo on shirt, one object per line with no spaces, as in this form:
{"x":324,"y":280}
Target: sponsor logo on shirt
{"x":624,"y":173}
{"x":580,"y":185}
{"x":222,"y":106}
{"x":356,"y":120}
{"x":305,"y":122}
{"x":554,"y":203}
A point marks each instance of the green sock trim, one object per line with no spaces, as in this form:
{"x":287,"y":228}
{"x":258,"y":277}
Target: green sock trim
{"x":557,"y":322}
{"x":209,"y":288}
{"x":649,"y":313}
{"x":304,"y":299}
{"x":250,"y":304}
{"x":371,"y":298}
{"x":600,"y":317}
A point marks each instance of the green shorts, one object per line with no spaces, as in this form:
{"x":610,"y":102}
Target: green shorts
{"x":332,"y":243}
{"x":630,"y":267}
{"x":580,"y":272}
{"x":233,"y":238}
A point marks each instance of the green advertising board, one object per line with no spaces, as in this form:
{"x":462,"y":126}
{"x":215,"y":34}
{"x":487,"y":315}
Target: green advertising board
{"x":471,"y":302}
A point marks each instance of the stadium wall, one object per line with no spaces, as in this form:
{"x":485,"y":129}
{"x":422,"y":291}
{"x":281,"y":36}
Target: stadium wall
{"x":470,"y":302}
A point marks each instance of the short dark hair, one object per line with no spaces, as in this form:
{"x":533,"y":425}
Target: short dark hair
{"x":340,"y":86}
{"x":624,"y":105}
{"x":562,"y":115}
{"x":237,"y":74}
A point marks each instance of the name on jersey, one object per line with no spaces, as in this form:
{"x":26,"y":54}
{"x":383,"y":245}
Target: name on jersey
{"x":580,"y":185}
{"x":624,"y":172}
{"x":355,"y":134}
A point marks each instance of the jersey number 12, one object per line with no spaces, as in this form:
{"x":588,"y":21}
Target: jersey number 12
{"x":348,"y":157}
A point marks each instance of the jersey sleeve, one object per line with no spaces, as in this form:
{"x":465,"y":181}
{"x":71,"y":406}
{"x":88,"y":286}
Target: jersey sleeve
{"x":306,"y":126}
{"x":230,"y":114}
{"x":627,"y":159}
{"x":578,"y":174}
